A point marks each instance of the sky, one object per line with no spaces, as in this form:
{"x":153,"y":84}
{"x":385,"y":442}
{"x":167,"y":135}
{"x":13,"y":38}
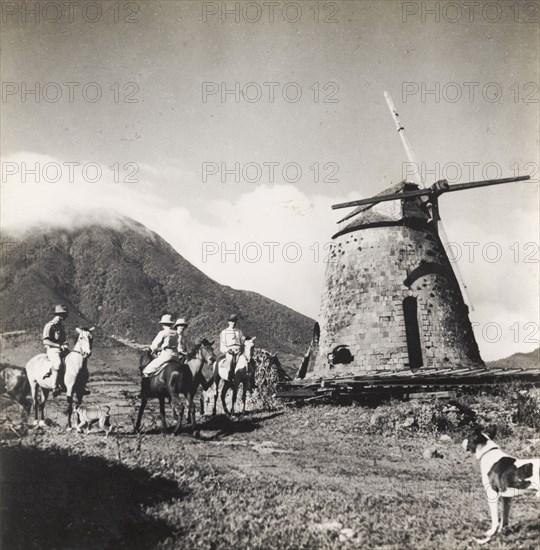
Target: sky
{"x":230,"y":130}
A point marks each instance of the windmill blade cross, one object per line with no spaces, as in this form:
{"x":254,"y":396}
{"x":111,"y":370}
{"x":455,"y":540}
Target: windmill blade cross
{"x":427,"y":192}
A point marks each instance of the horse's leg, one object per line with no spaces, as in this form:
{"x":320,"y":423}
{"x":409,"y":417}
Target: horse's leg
{"x":162,"y":414}
{"x":244,"y":397}
{"x":69,"y":381}
{"x":216,"y":394}
{"x":180,"y":404}
{"x":44,"y":394}
{"x":79,"y":403}
{"x":144,"y":400}
{"x":204,"y":386}
{"x":35,"y":399}
{"x":197,"y":381}
{"x":191,"y":404}
{"x":223,"y":395}
{"x":69,"y":411}
{"x":178,"y":407}
{"x":234,"y":394}
{"x":25,"y":414}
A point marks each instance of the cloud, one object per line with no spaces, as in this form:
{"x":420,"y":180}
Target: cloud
{"x":500,"y":265}
{"x":273,"y":239}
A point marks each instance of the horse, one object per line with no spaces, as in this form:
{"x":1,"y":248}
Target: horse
{"x":177,"y":378}
{"x":75,"y":377}
{"x":244,"y":374}
{"x":14,"y":384}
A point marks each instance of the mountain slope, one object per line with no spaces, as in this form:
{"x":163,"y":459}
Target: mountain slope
{"x":518,"y":360}
{"x":122,"y":277}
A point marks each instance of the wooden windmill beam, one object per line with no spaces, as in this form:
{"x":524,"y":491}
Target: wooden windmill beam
{"x":483,"y":183}
{"x":429,"y":191}
{"x":384,"y":198}
{"x":404,"y":139}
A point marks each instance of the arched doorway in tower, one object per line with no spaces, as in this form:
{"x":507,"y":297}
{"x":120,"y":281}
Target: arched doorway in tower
{"x":412,"y":331}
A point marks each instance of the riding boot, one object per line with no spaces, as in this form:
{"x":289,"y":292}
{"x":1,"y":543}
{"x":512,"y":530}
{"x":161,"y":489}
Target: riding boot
{"x":57,"y":384}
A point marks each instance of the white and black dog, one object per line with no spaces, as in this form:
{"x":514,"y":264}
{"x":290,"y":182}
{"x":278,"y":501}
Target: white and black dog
{"x":503,"y":476}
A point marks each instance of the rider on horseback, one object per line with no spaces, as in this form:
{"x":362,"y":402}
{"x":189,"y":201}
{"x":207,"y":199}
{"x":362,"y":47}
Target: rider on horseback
{"x":164,"y":346}
{"x":231,"y":344}
{"x":54,"y":339}
{"x":180,"y":327}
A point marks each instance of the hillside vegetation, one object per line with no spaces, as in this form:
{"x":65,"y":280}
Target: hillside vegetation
{"x":122,"y":278}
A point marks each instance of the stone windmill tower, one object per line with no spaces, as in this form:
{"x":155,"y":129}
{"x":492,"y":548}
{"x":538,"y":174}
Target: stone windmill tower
{"x":391,"y":295}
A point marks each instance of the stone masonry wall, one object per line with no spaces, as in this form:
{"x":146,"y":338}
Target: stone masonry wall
{"x":370,"y":272}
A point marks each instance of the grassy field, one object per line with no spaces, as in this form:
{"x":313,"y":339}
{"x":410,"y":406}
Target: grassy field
{"x":297,"y":478}
{"x":312,"y":477}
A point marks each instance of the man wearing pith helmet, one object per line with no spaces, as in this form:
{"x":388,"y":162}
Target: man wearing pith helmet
{"x":231,"y":343}
{"x":164,"y":345}
{"x":54,"y":339}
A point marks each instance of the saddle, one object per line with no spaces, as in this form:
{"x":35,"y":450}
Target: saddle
{"x":238,"y":361}
{"x":62,"y":369}
{"x":180,"y":360}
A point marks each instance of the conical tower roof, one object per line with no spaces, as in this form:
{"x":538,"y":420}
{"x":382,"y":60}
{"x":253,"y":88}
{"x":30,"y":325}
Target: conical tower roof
{"x":384,"y":213}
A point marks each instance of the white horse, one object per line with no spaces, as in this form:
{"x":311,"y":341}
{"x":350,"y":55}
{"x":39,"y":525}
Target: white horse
{"x":243,"y":374}
{"x":75,"y":377}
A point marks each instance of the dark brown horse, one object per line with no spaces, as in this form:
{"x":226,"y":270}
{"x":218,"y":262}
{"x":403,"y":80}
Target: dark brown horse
{"x":176,"y":379}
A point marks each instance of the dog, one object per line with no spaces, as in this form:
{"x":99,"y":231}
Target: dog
{"x":503,"y":476}
{"x":92,"y":414}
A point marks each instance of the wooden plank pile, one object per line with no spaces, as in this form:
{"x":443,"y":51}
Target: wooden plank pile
{"x":404,"y":384}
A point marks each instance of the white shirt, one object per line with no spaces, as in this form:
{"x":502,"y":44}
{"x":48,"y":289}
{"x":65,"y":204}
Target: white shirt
{"x":166,"y":338}
{"x":230,"y":337}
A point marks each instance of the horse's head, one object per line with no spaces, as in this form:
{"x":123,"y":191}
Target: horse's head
{"x":249,"y":345}
{"x":145,"y":358}
{"x":84,"y":341}
{"x":204,"y":352}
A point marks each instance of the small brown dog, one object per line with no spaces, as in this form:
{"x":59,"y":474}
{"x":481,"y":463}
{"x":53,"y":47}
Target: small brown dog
{"x":92,"y":414}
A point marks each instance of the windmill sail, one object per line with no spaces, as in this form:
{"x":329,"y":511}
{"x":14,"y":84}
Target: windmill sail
{"x":412,"y":159}
{"x":405,"y":140}
{"x":383,"y":197}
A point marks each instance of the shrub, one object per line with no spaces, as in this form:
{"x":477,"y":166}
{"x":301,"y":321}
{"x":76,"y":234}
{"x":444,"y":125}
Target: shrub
{"x":508,"y":406}
{"x":268,"y":374}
